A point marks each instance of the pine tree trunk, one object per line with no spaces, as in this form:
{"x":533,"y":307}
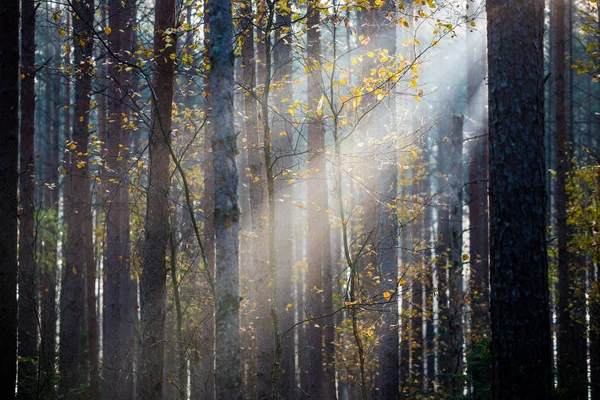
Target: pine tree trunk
{"x":317,"y":200}
{"x":226,"y":211}
{"x":9,"y":150}
{"x":119,"y":306}
{"x":387,"y":262}
{"x":27,"y":319}
{"x":455,"y":281}
{"x":153,"y":290}
{"x":49,"y":259}
{"x":283,"y":145}
{"x":77,"y":208}
{"x":519,"y":266}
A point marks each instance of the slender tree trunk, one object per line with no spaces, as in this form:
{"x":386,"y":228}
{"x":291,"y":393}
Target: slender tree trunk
{"x":153,"y":289}
{"x":118,"y":380}
{"x":442,"y":246}
{"x":9,"y":150}
{"x":387,"y":257}
{"x":207,"y":354}
{"x":571,"y":363}
{"x":519,"y":265}
{"x":455,"y":281}
{"x":283,"y":144}
{"x":77,"y":207}
{"x":27,"y":319}
{"x":479,"y":368}
{"x":258,"y":204}
{"x":226,"y":212}
{"x":317,"y":198}
{"x":49,"y":259}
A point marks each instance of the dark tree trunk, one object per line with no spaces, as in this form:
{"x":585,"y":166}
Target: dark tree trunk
{"x":455,"y":282}
{"x":317,"y":199}
{"x":207,"y":353}
{"x":226,"y":212}
{"x":283,"y":144}
{"x":27,"y":319}
{"x":442,"y":246}
{"x":77,"y":208}
{"x":49,"y":259}
{"x":119,"y":305}
{"x":9,"y":150}
{"x":153,"y":289}
{"x":258,"y":204}
{"x":519,"y":266}
{"x":571,"y":363}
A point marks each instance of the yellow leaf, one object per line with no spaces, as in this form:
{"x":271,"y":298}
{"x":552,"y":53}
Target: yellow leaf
{"x":282,"y":133}
{"x":62,"y":32}
{"x":417,"y":98}
{"x":107,"y":30}
{"x":387,"y":295}
{"x":472,"y":23}
{"x":329,"y":212}
{"x":370,"y":54}
{"x":172,"y":56}
{"x":465,"y":257}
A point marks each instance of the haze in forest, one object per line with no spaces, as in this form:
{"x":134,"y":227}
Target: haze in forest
{"x":295,"y":199}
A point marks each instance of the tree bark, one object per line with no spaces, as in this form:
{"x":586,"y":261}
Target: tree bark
{"x":77,"y":207}
{"x":455,"y":281}
{"x":9,"y":150}
{"x":226,"y":212}
{"x":118,"y":365}
{"x":519,"y":267}
{"x":572,"y":352}
{"x":27,"y":318}
{"x":153,"y":289}
{"x":317,"y":199}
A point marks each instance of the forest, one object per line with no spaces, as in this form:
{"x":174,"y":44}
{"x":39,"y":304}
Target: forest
{"x":299,"y":199}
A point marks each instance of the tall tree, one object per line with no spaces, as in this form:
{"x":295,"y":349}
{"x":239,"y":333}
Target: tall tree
{"x":226,"y":211}
{"x":455,"y":268}
{"x":318,"y":226}
{"x":153,"y":289}
{"x":27,"y":319}
{"x":519,"y":266}
{"x":119,"y":305}
{"x":258,"y":191}
{"x":571,"y":363}
{"x":9,"y":150}
{"x":387,"y":227}
{"x":77,"y":205}
{"x":49,"y":260}
{"x":283,"y":144}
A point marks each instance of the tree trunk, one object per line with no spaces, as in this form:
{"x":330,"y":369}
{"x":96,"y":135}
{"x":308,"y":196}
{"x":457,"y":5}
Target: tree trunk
{"x":387,"y":264}
{"x":153,"y":289}
{"x":455,"y":281}
{"x":317,"y":199}
{"x":283,"y":145}
{"x":519,"y":266}
{"x":119,"y":306}
{"x":442,"y":246}
{"x":226,"y":212}
{"x":49,"y":259}
{"x":27,"y":319}
{"x":571,"y":363}
{"x":77,"y":208}
{"x":9,"y":150}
